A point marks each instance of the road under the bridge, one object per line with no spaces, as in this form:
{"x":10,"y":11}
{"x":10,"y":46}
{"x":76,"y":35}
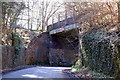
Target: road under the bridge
{"x":38,"y":72}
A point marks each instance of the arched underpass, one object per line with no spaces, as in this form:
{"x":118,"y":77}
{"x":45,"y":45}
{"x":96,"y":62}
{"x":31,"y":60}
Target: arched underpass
{"x":59,"y":47}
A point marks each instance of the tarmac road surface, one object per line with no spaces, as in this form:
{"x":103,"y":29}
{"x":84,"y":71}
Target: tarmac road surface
{"x":38,"y":72}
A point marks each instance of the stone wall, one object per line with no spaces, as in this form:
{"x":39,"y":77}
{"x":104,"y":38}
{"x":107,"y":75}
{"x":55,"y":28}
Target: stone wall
{"x":37,"y":52}
{"x":7,"y":57}
{"x":11,"y":59}
{"x":61,"y":57}
{"x":20,"y":57}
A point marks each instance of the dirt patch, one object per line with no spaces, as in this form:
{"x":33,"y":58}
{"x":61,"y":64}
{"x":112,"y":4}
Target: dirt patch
{"x":85,"y":73}
{"x":69,"y":73}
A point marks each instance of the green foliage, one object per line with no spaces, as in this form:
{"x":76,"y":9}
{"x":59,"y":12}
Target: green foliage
{"x":37,"y":31}
{"x":18,"y":39}
{"x":1,"y":45}
{"x":97,"y":52}
{"x":15,"y":38}
{"x":15,"y":41}
{"x":75,"y":68}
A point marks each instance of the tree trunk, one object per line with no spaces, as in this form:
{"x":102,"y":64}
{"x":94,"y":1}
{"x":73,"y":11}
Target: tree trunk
{"x":80,"y":47}
{"x":28,"y":16}
{"x":12,"y":39}
{"x":118,"y":4}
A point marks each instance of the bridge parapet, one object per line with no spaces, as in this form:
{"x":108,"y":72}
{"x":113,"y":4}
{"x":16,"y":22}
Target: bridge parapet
{"x":65,"y":22}
{"x":65,"y":25}
{"x":64,"y":29}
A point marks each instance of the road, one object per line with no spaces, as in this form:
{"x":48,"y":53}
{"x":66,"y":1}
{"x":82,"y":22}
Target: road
{"x":38,"y":72}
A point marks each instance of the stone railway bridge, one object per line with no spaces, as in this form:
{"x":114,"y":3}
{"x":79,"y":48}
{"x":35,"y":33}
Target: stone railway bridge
{"x":64,"y":41}
{"x":60,"y":45}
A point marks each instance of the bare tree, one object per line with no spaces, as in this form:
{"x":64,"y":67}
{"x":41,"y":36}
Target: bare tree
{"x":47,"y":9}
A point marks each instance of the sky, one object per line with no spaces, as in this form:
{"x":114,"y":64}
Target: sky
{"x":34,"y":14}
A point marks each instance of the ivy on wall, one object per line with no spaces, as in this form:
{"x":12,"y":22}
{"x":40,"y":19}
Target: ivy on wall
{"x":99,"y":54}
